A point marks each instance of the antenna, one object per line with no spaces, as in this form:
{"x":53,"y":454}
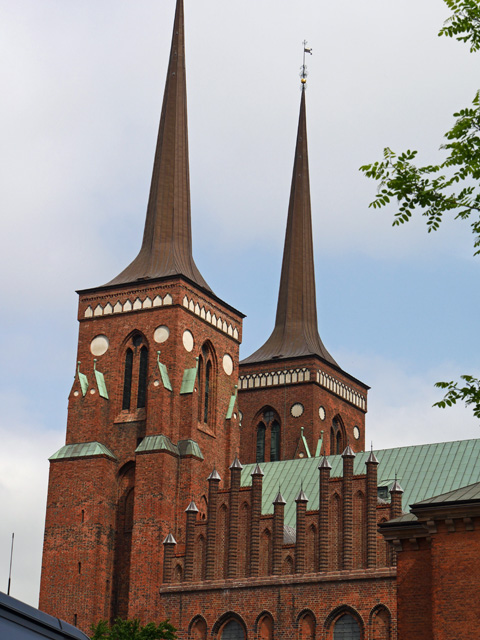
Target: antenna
{"x":10,"y":571}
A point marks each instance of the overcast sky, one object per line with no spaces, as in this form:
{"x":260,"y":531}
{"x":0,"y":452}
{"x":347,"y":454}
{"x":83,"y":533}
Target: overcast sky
{"x":82,"y":85}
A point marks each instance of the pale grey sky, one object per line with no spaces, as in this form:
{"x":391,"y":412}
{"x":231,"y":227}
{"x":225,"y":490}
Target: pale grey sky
{"x":82,"y":86}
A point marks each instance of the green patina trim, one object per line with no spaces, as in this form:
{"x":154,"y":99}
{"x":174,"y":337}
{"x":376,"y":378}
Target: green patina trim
{"x":160,"y":442}
{"x":157,"y":443}
{"x":318,"y":451}
{"x":164,"y":373}
{"x":189,"y":448}
{"x":189,"y":377}
{"x":231,"y":404}
{"x":82,"y":450}
{"x":99,"y":377}
{"x":305,"y":444}
{"x":82,"y":378}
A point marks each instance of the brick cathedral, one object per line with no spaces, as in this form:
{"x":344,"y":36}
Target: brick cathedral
{"x":236,"y":498}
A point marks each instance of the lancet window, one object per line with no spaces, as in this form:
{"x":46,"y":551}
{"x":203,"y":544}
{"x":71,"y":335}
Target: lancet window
{"x":135,"y":375}
{"x":268,"y":436}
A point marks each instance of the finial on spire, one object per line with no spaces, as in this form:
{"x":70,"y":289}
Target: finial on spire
{"x":303,"y":68}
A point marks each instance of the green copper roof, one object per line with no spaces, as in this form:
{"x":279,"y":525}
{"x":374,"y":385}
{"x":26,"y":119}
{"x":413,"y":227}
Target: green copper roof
{"x":163,"y":443}
{"x":423,"y":471}
{"x":470,"y":493}
{"x":189,"y":448}
{"x":82,"y":450}
{"x":157,"y":443}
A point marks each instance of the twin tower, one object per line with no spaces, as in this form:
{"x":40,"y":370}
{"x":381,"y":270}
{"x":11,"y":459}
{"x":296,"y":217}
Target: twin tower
{"x":160,"y":398}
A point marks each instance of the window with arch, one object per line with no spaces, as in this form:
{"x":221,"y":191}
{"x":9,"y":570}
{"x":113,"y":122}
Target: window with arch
{"x":198,"y":630}
{"x":233,"y":630}
{"x":337,"y":440}
{"x":346,"y":628}
{"x":265,"y":628}
{"x":268,"y":436}
{"x":306,"y":627}
{"x":261,"y":442}
{"x":380,"y":622}
{"x":135,"y":374}
{"x":206,"y":385}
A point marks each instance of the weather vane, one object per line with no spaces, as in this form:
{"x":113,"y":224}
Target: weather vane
{"x":303,"y":68}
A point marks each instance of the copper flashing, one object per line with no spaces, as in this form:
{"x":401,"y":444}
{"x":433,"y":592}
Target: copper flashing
{"x":167,"y":240}
{"x":296,"y":328}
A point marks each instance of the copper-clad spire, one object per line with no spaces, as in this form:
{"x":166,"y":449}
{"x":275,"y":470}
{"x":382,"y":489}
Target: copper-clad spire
{"x":167,"y":240}
{"x":296,"y":329}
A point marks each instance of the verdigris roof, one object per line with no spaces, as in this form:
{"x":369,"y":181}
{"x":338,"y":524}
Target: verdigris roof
{"x":470,"y":493}
{"x":424,"y":471}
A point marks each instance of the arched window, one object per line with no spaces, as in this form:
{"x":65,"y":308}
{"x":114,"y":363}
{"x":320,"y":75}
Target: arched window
{"x":127,"y":380}
{"x":275,"y":442}
{"x":265,"y":628}
{"x":142,"y":378}
{"x":233,"y":631}
{"x":206,"y":404}
{"x":346,"y":628}
{"x":261,"y":442}
{"x":337,"y":442}
{"x":306,"y":627}
{"x":198,"y":630}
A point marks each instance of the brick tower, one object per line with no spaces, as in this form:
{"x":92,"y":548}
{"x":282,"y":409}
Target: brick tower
{"x":294,"y":398}
{"x":153,"y":406}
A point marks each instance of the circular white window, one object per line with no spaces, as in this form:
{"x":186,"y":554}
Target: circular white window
{"x":188,"y":341}
{"x":296,"y":410}
{"x":227,"y":364}
{"x":161,"y":334}
{"x":99,"y":345}
{"x":356,"y":432}
{"x":321,"y":413}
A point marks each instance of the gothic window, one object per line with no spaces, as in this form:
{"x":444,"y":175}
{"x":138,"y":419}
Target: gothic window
{"x":275,"y":442}
{"x":206,"y":385}
{"x":261,"y":442}
{"x":306,"y":627}
{"x":346,"y":628}
{"x":199,"y":630}
{"x":233,"y":631}
{"x":127,"y":380}
{"x":265,"y":628}
{"x":206,"y":407}
{"x":135,"y":375}
{"x":142,"y":378}
{"x":268,"y":436}
{"x":337,"y":442}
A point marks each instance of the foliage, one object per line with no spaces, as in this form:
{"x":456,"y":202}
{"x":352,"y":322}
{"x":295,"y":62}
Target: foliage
{"x":449,"y":187}
{"x":132,"y":630}
{"x":469,"y":393}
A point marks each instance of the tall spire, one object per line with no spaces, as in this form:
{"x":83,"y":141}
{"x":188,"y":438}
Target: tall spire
{"x":167,"y":239}
{"x":296,"y":329}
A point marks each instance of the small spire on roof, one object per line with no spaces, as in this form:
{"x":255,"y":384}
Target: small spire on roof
{"x":301,"y":496}
{"x":324,"y":463}
{"x":396,"y":488}
{"x":257,"y":471}
{"x":279,"y":499}
{"x":169,"y":539}
{"x":371,"y":458}
{"x":192,"y":508}
{"x":236,"y":464}
{"x":214,"y":475}
{"x":348,"y":453}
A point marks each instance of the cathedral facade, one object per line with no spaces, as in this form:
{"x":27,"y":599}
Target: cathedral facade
{"x":234,"y":498}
